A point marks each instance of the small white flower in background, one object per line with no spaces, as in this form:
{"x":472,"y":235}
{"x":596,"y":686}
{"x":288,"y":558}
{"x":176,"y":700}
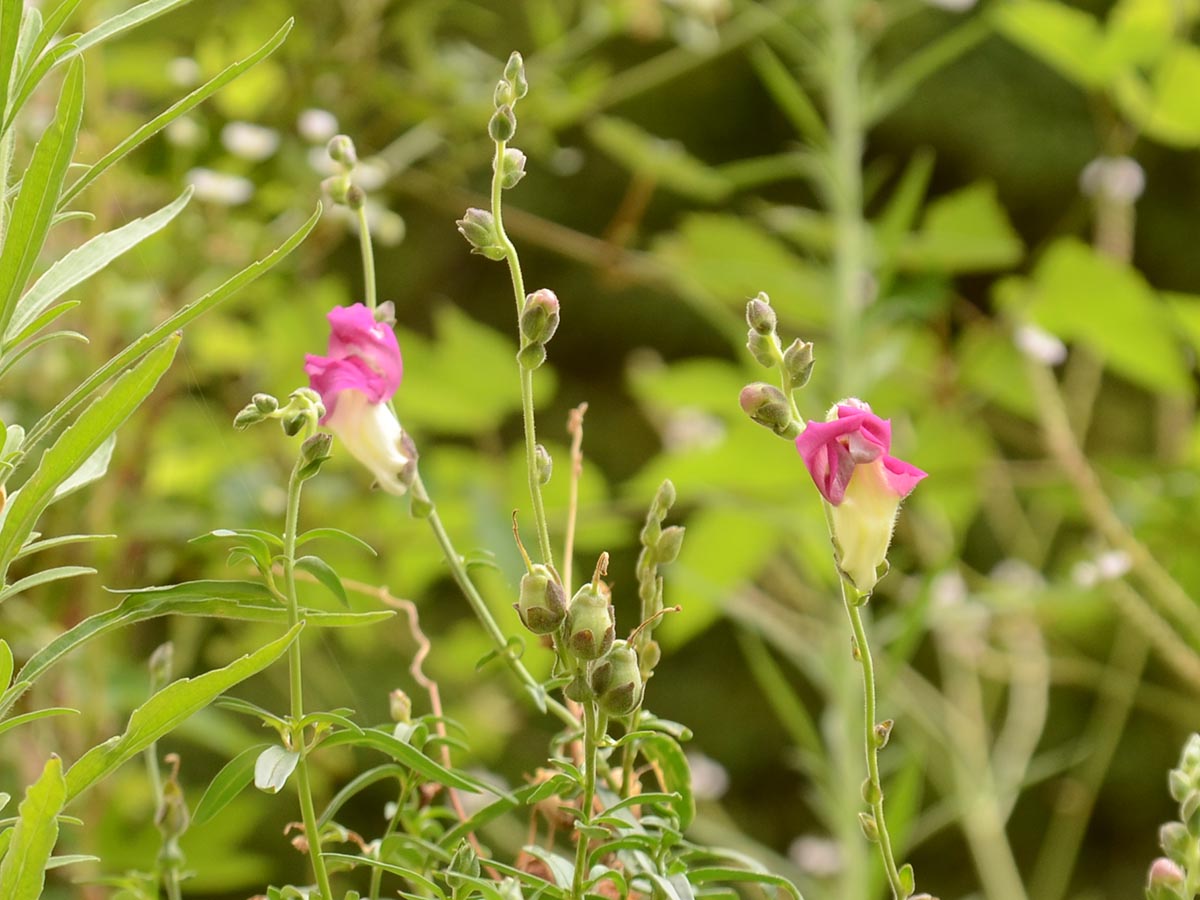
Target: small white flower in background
{"x":692,"y":429}
{"x":249,"y":141}
{"x":1108,"y":566}
{"x":217,"y":187}
{"x":948,"y":589}
{"x":318,"y":159}
{"x":1118,"y":178}
{"x":818,"y":856}
{"x":186,"y":132}
{"x":184,"y":72}
{"x":710,"y":780}
{"x":370,"y":174}
{"x":317,"y":126}
{"x":956,"y":6}
{"x":1040,"y":345}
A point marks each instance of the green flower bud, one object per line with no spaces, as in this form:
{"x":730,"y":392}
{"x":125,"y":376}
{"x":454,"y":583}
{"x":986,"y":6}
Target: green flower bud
{"x":1178,"y":784}
{"x":883,"y":733}
{"x":532,"y":356}
{"x":908,"y":881}
{"x":341,"y":150}
{"x":478,"y":227}
{"x":250,"y":415}
{"x":503,"y":95}
{"x":265,"y":403}
{"x":539,"y":318}
{"x":161,"y":661}
{"x":871,"y":793}
{"x":798,"y":362}
{"x":503,"y":125}
{"x":512,"y":168}
{"x":649,"y":658}
{"x":589,"y":625}
{"x":544,"y":464}
{"x":762,"y":348}
{"x":541,"y":603}
{"x":464,"y":862}
{"x":356,"y":197}
{"x":337,"y":187}
{"x":669,"y":543}
{"x":760,"y":316}
{"x":313,"y":454}
{"x":766,"y":405}
{"x":514,"y":74}
{"x":400,"y":706}
{"x":293,"y":422}
{"x":617,"y":680}
{"x":664,"y":499}
{"x":870,"y":828}
{"x":172,"y":817}
{"x":1164,"y":881}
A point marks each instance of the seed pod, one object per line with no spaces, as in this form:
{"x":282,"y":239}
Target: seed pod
{"x":589,"y":626}
{"x":617,"y":680}
{"x":503,"y":124}
{"x":539,"y":318}
{"x":542,"y":601}
{"x":669,"y":544}
{"x":766,"y":405}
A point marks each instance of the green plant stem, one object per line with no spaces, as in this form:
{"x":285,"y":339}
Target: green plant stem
{"x":370,"y":291}
{"x":846,"y":147}
{"x":377,"y":873}
{"x":296,"y":684}
{"x":518,"y":282}
{"x":590,"y":740}
{"x":870,"y":746}
{"x":463,"y":579}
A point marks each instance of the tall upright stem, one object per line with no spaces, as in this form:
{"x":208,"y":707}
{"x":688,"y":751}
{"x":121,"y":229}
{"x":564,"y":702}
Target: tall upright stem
{"x":590,"y":741}
{"x":870,"y":744}
{"x":518,"y":282}
{"x":295,"y":679}
{"x":845,"y":199}
{"x":370,"y":291}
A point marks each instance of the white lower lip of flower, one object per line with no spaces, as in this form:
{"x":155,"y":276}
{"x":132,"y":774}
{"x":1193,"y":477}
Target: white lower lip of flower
{"x":372,"y":435}
{"x":863,"y":522}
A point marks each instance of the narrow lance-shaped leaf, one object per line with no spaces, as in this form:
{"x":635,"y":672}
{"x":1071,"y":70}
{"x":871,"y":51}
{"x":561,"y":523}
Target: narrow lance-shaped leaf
{"x":10,"y":29}
{"x":23,"y":872}
{"x":228,"y":783}
{"x":188,"y":103}
{"x":34,"y":207}
{"x":85,"y":261}
{"x":77,"y":444}
{"x":166,"y":710}
{"x":143,"y":345}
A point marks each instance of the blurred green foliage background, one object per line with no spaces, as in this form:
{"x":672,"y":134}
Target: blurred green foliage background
{"x":671,"y":176}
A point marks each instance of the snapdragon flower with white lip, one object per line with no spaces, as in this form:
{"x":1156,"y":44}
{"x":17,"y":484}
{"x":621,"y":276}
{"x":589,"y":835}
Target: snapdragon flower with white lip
{"x":356,"y":380}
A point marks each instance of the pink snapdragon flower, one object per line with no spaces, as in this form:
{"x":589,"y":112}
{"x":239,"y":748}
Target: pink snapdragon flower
{"x":848,"y":458}
{"x":355,"y":381}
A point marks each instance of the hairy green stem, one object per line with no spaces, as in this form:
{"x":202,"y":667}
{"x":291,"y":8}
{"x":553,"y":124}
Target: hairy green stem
{"x":370,"y":291}
{"x":846,"y":133}
{"x":295,"y":681}
{"x":591,"y":738}
{"x":870,"y":744}
{"x":462,"y":578}
{"x":518,"y":282}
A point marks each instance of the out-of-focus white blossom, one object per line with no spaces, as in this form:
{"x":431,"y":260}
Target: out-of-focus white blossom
{"x":818,"y":856}
{"x":317,"y":126}
{"x":184,"y":72}
{"x":218,"y":187}
{"x":249,"y":141}
{"x":1118,"y":178}
{"x":185,"y":132}
{"x":710,"y":780}
{"x":1040,"y":345}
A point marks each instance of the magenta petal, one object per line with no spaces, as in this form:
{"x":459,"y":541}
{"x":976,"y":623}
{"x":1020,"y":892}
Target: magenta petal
{"x":900,"y":476}
{"x":355,"y":333}
{"x":828,"y":461}
{"x":330,"y":376}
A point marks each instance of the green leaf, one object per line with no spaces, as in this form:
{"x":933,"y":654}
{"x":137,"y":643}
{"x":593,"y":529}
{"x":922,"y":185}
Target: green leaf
{"x":358,"y":783}
{"x":967,"y":231}
{"x":34,"y":207}
{"x":227,"y":784}
{"x":54,"y":21}
{"x":23,"y":872}
{"x":1066,"y":39}
{"x":92,"y":469}
{"x":188,"y":103}
{"x":33,"y":76}
{"x":323,"y":572}
{"x":15,"y":721}
{"x":43,"y":577}
{"x":417,"y":879}
{"x":35,"y":546}
{"x":789,"y":95}
{"x":131,"y":18}
{"x":242,"y":600}
{"x":85,"y":261}
{"x":19,"y":353}
{"x":710,"y":874}
{"x":163,"y":332}
{"x":167,"y":709}
{"x":1080,"y":295}
{"x":42,"y":321}
{"x":408,"y":755}
{"x":665,"y":163}
{"x":10,"y":32}
{"x":6,"y":665}
{"x":1167,"y":105}
{"x":315,"y":534}
{"x":670,"y":764}
{"x":76,"y":444}
{"x":273,"y":767}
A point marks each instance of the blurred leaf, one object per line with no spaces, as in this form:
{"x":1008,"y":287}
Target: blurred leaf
{"x":1167,"y":106}
{"x":967,"y":231}
{"x":788,"y":95}
{"x":709,"y":874}
{"x":166,"y":709}
{"x":415,"y":878}
{"x":990,"y":364}
{"x":10,"y":31}
{"x":663,"y":162}
{"x":33,"y":209}
{"x":409,"y":756}
{"x":1081,"y":296}
{"x":23,"y":871}
{"x":85,"y":261}
{"x":42,"y":321}
{"x":727,"y":258}
{"x":131,"y":18}
{"x":1066,"y":39}
{"x":6,"y":666}
{"x":671,"y":766}
{"x":77,"y":444}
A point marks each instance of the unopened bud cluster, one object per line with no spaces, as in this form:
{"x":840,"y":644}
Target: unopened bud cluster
{"x":660,"y":547}
{"x":301,"y":413}
{"x":341,"y":187}
{"x":1180,"y":841}
{"x":766,"y":404}
{"x":538,"y":322}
